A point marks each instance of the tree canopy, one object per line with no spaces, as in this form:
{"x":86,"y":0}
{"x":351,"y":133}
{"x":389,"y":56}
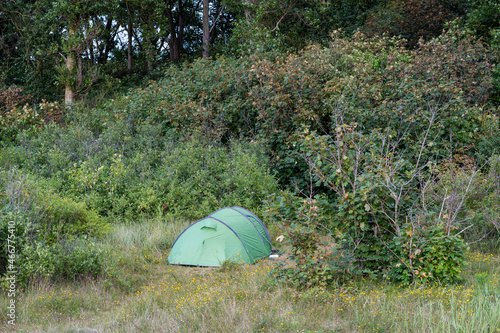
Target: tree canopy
{"x":81,"y":47}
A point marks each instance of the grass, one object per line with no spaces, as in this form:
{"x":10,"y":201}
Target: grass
{"x":142,"y":293}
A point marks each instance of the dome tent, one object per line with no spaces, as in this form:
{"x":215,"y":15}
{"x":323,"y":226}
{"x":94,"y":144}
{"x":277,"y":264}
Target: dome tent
{"x":231,"y":233}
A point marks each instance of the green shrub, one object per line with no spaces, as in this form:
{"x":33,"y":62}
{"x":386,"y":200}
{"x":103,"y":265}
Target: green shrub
{"x":315,"y":262}
{"x":137,"y":169}
{"x":9,"y":230}
{"x":404,"y":18}
{"x":67,"y":218}
{"x":431,"y":253}
{"x":16,"y":114}
{"x":40,"y":209}
{"x":52,"y":234}
{"x":37,"y":262}
{"x":198,"y":179}
{"x":467,"y":196}
{"x":191,"y":178}
{"x":209,"y":98}
{"x":76,"y":259}
{"x":66,"y":260}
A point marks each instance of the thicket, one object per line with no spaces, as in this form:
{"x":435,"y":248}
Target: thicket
{"x":51,"y":235}
{"x":388,"y":152}
{"x":388,"y":128}
{"x":413,"y":20}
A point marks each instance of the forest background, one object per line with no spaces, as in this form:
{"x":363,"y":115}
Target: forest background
{"x":366,"y":132}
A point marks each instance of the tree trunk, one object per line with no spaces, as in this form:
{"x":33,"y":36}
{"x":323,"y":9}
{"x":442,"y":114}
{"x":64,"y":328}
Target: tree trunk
{"x":172,"y":40}
{"x":129,"y":53}
{"x":174,"y":48}
{"x":105,"y":46}
{"x":150,"y":54}
{"x":69,"y":95}
{"x":79,"y":71}
{"x":206,"y":30}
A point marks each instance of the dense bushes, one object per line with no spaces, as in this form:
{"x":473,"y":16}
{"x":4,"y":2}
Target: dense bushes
{"x":210,"y":177}
{"x":50,"y":234}
{"x":315,"y":261}
{"x":124,"y":174}
{"x":389,"y":128}
{"x":17,"y":113}
{"x":427,"y":252}
{"x":59,"y":262}
{"x":375,"y":83}
{"x":413,"y":20}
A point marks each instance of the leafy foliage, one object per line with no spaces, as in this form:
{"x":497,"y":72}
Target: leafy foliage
{"x":51,"y":234}
{"x":314,"y":262}
{"x":413,"y":20}
{"x":64,"y":261}
{"x":483,"y":17}
{"x":428,"y":253}
{"x":16,"y":114}
{"x":128,"y":172}
{"x":268,"y":26}
{"x":379,"y":129}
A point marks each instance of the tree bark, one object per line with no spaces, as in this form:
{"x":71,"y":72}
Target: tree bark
{"x":129,"y":51}
{"x":69,"y":94}
{"x":79,"y":71}
{"x":150,"y":54}
{"x":106,"y":45}
{"x":172,"y":41}
{"x":206,"y":30}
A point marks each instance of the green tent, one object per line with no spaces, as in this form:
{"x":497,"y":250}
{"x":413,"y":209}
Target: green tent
{"x":231,"y":233}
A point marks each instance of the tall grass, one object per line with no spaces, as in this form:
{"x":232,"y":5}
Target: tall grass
{"x":142,"y":293}
{"x":152,"y":234}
